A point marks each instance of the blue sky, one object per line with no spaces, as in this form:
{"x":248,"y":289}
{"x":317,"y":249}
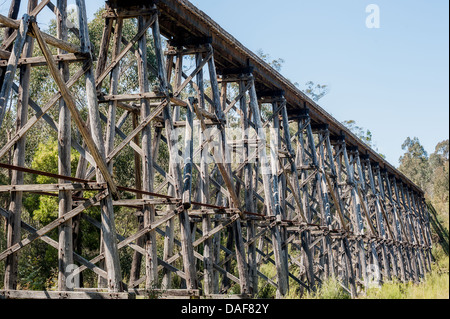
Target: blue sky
{"x":393,"y":80}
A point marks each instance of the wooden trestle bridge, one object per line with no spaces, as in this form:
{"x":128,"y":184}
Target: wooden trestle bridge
{"x":291,"y":187}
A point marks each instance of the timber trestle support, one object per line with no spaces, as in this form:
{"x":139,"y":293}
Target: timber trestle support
{"x":233,"y":171}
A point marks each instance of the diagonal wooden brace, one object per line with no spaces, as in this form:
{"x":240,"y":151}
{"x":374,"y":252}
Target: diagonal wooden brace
{"x":99,"y":160}
{"x":32,"y":237}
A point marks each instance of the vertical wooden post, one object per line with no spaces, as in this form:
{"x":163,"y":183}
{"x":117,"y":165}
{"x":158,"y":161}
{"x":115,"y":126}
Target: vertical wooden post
{"x":359,"y":224}
{"x":305,"y":235}
{"x":250,"y":206}
{"x":110,"y":130}
{"x":361,"y":190}
{"x":275,"y":167}
{"x":324,"y":204}
{"x":401,"y":220}
{"x":416,"y":231}
{"x":224,"y":166}
{"x":104,"y":45}
{"x":283,"y":283}
{"x":151,"y":260}
{"x":262,"y":155}
{"x":229,"y":247}
{"x":382,"y":195}
{"x":170,"y":227}
{"x":76,"y":222}
{"x":13,"y":222}
{"x":309,"y":261}
{"x":186,"y":236}
{"x":65,"y":251}
{"x":282,"y":184}
{"x":412,"y":240}
{"x":397,"y":227}
{"x":340,"y":207}
{"x":188,"y":155}
{"x":380,"y":222}
{"x":107,"y":211}
{"x":114,"y":87}
{"x":268,"y":194}
{"x":210,"y":285}
{"x":135,"y":271}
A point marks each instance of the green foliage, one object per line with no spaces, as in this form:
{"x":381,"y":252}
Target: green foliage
{"x":330,"y":289}
{"x":439,"y":228}
{"x":316,"y":91}
{"x":392,"y":290}
{"x":266,"y":290}
{"x":414,"y":163}
{"x":277,"y":64}
{"x":363,"y":134}
{"x":45,"y":208}
{"x":435,"y":286}
{"x":46,"y":159}
{"x":439,"y":164}
{"x":36,"y":267}
{"x":48,"y":209}
{"x":441,"y":263}
{"x":431,"y":173}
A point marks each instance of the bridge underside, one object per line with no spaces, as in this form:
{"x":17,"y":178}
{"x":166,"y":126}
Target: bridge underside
{"x":236,"y":180}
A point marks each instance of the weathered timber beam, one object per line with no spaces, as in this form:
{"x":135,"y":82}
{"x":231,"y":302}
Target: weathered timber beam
{"x":188,"y":156}
{"x":142,"y":202}
{"x":127,"y":13}
{"x":4,"y":54}
{"x":63,"y":45}
{"x":129,"y":97}
{"x":52,"y":187}
{"x":27,"y":294}
{"x":40,"y":61}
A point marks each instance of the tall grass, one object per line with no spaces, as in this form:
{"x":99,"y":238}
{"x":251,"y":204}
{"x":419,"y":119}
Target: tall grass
{"x":435,"y":286}
{"x":330,"y":289}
